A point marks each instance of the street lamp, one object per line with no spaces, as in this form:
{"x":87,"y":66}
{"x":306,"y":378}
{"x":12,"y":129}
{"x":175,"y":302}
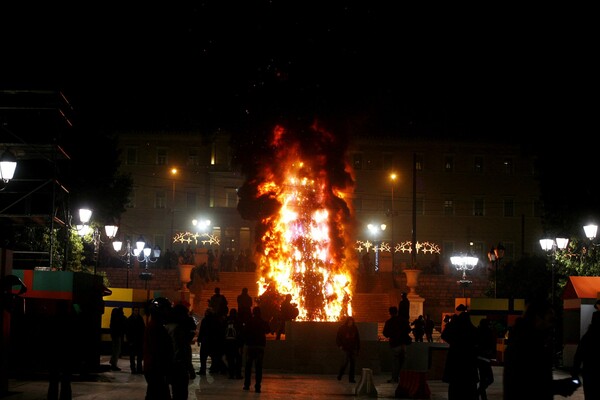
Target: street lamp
{"x":464,"y":263}
{"x":495,"y":255}
{"x":201,"y":224}
{"x":550,"y":246}
{"x":8,"y":165}
{"x":375,"y":229}
{"x":590,"y":231}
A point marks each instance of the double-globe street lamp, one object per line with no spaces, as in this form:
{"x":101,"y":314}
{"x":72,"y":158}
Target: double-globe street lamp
{"x":142,"y":252}
{"x":464,"y":263}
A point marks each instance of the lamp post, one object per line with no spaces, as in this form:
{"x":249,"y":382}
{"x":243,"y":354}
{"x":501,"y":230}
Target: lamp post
{"x":393,"y":178}
{"x":85,"y":215}
{"x":375,"y":229}
{"x":550,"y":246}
{"x":464,"y":263}
{"x":144,"y":253}
{"x":174,"y":172}
{"x":117,"y":246}
{"x":495,"y":255}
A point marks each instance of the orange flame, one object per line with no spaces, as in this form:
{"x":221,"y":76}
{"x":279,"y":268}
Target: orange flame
{"x":303,"y":247}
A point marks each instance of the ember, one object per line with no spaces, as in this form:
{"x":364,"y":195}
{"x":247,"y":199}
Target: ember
{"x":304,"y":248}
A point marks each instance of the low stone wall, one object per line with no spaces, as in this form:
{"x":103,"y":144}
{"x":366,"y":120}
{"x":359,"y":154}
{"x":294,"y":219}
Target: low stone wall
{"x":310,"y":347}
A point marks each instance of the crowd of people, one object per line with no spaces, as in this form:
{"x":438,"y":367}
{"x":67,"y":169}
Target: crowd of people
{"x":235,"y":339}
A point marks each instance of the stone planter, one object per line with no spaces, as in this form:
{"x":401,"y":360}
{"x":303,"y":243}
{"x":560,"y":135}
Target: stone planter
{"x":185,"y":274}
{"x":412,"y":280}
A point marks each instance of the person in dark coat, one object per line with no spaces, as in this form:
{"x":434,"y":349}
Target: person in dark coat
{"x":210,"y":337}
{"x":134,"y":334}
{"x":348,"y":340}
{"x":179,"y":332}
{"x":586,"y":360}
{"x":486,"y":352}
{"x":404,"y":306}
{"x":234,"y":345}
{"x":397,"y":330}
{"x":528,"y":357}
{"x":218,"y":302}
{"x":158,"y":351}
{"x":118,"y":322}
{"x":62,"y":348}
{"x":255,"y":339}
{"x":460,"y":371}
{"x":244,"y":306}
{"x":288,"y":311}
{"x":429,"y":327}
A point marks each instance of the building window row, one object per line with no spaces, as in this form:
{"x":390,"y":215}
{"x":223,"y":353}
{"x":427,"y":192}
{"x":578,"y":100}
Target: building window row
{"x":360,"y":163}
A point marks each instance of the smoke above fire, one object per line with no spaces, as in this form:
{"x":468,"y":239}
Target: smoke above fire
{"x":300,"y":195}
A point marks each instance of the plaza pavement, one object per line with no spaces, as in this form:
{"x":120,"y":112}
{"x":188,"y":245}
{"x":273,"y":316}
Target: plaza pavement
{"x":122,"y":385}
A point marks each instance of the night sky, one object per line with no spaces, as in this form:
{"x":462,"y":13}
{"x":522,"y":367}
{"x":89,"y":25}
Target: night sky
{"x":518,"y":73}
{"x":246,"y":65}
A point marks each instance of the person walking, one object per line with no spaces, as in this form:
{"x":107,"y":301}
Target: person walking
{"x":486,"y":352}
{"x":460,"y":371}
{"x":134,"y":334}
{"x":117,"y":327}
{"x":528,"y":357}
{"x":158,"y":350}
{"x":397,"y":330}
{"x":586,"y":361}
{"x":348,"y":341}
{"x":255,"y":339}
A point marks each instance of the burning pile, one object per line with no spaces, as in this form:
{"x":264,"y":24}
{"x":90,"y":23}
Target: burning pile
{"x":304,"y":248}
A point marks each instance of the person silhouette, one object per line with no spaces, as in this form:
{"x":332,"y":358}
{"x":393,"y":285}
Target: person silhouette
{"x":255,"y":339}
{"x":62,"y":351}
{"x":528,"y":357}
{"x":486,"y":352}
{"x":404,"y":306}
{"x":134,"y":334}
{"x":348,"y":341}
{"x":586,"y":360}
{"x":397,"y":330}
{"x":460,"y":371}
